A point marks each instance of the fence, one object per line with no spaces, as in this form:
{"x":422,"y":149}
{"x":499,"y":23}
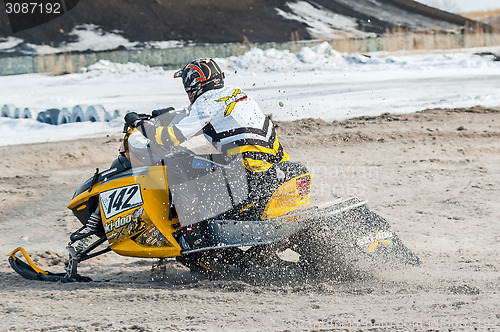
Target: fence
{"x":175,"y":57}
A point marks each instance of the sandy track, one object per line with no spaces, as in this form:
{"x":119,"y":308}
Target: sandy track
{"x":435,"y":176}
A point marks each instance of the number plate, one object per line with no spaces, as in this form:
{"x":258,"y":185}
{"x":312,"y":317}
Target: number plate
{"x":121,"y":199}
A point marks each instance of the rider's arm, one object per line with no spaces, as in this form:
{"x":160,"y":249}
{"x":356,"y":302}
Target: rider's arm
{"x":175,"y":134}
{"x":199,"y":116}
{"x":159,"y":135}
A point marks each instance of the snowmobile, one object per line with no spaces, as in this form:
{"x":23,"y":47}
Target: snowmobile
{"x":192,"y":204}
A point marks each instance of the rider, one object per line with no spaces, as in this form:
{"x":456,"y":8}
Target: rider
{"x":229,"y":118}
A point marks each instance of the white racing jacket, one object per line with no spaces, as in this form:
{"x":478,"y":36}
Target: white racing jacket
{"x":233,"y":122}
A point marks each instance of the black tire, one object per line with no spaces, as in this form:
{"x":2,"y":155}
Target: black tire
{"x":49,"y":116}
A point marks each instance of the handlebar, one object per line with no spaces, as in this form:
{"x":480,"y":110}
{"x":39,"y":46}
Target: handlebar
{"x":154,"y":114}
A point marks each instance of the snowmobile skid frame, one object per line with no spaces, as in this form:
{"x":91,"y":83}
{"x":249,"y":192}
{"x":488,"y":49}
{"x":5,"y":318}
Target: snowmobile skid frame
{"x":235,"y":233}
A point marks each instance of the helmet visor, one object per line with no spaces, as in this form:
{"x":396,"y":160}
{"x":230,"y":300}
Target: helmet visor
{"x":178,"y":73}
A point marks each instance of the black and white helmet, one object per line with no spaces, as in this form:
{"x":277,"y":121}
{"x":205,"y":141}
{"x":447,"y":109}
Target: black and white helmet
{"x":199,"y":76}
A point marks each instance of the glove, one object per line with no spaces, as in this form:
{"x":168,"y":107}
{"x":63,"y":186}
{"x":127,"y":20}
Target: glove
{"x":131,"y":117}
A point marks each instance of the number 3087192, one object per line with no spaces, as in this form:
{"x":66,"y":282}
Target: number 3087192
{"x":33,"y":8}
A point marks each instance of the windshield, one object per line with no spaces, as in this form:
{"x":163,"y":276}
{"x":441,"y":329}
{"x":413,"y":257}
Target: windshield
{"x":202,"y":182}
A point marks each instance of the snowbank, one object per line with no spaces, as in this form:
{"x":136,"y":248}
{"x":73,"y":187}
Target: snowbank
{"x":317,"y":82}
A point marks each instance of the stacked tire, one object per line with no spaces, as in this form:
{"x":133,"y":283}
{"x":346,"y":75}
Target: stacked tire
{"x":56,"y":116}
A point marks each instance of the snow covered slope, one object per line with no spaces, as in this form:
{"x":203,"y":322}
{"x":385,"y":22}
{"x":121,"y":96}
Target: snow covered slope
{"x":138,"y":23}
